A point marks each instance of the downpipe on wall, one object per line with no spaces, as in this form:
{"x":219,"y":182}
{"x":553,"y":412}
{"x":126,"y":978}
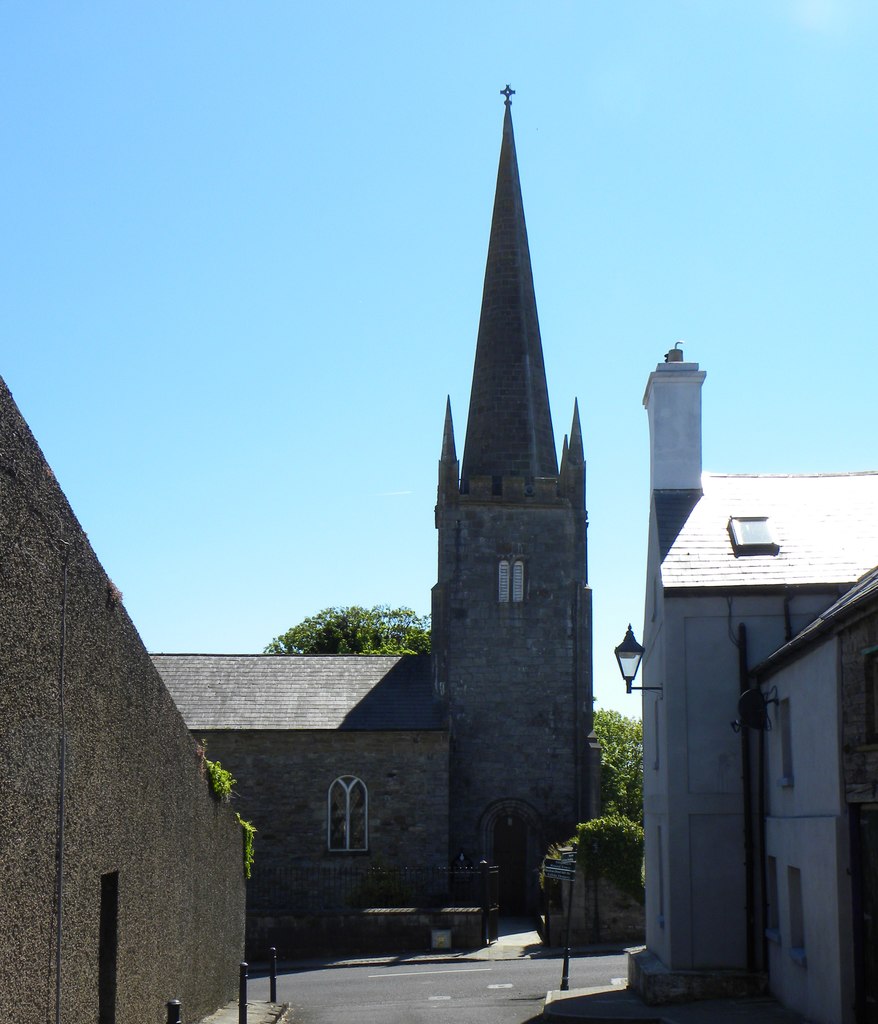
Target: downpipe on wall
{"x":747,"y":780}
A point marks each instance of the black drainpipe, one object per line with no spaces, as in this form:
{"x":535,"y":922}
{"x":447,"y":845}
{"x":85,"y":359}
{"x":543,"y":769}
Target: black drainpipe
{"x":746,"y":772}
{"x":763,"y":866}
{"x":787,"y":618}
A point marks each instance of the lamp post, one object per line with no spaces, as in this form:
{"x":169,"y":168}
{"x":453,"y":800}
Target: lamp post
{"x":629,"y":654}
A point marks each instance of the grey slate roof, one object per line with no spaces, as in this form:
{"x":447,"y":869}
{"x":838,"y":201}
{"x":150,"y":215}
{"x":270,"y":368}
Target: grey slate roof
{"x":826,"y":526}
{"x":672,"y":509}
{"x":863,"y":594}
{"x":276,"y":691}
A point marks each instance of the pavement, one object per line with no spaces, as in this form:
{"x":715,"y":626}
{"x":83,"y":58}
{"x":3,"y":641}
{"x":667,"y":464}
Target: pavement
{"x":598,"y":1005}
{"x":603,"y":1005}
{"x":257,"y":1013}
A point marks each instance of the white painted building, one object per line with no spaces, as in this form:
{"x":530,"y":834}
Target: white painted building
{"x":821,"y":782}
{"x":737,"y":565}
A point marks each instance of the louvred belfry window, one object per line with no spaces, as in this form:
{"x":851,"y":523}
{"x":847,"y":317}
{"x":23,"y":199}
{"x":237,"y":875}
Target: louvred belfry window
{"x":348,"y":814}
{"x":518,"y":581}
{"x":503,"y":581}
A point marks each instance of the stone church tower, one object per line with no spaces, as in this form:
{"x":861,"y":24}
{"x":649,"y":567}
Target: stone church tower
{"x":512,"y":606}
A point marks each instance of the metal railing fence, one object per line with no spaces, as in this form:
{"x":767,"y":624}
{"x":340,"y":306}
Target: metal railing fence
{"x":311,"y":888}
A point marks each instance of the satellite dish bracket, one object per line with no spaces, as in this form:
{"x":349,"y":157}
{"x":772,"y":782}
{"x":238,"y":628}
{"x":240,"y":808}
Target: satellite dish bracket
{"x":753,"y":709}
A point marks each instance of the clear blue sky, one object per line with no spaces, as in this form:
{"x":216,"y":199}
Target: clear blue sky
{"x":242,"y":253}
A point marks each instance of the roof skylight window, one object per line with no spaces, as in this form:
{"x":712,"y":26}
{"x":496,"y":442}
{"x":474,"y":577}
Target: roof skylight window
{"x":751,"y":535}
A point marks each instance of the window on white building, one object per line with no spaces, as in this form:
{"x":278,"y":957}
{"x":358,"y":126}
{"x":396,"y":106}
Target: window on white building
{"x":661,"y":878}
{"x":797,"y":917}
{"x":786,"y":743}
{"x":772,"y":924}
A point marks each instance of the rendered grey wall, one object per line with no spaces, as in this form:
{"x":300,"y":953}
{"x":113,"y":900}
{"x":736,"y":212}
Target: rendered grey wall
{"x":808,"y":830}
{"x":136,"y":801}
{"x":693,"y":803}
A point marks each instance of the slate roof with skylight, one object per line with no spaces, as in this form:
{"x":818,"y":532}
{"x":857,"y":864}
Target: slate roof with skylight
{"x":276,"y":691}
{"x":791,"y":530}
{"x":752,"y":535}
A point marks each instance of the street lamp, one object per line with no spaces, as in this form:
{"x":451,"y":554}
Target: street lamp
{"x":629,"y":654}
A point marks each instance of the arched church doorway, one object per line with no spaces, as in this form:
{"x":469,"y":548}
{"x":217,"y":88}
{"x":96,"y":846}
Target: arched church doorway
{"x":510,"y":855}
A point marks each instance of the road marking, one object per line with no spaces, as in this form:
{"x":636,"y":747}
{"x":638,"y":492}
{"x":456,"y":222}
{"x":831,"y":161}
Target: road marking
{"x":500,"y":986}
{"x":433,"y":999}
{"x":420,"y":974}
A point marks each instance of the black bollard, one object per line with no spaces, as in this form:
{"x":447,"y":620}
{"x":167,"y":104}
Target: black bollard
{"x":565,"y":970}
{"x":242,"y":994}
{"x":175,"y":1012}
{"x":273,"y":986}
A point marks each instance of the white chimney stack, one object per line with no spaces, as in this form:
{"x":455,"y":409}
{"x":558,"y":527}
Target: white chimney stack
{"x":673,"y":403}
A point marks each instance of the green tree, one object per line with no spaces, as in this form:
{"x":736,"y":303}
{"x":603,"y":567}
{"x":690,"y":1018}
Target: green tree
{"x":621,"y":742}
{"x":611,"y":846}
{"x":356,"y":630}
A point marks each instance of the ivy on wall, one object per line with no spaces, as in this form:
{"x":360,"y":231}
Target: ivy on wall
{"x":249,"y":855}
{"x":611,"y":847}
{"x":221,"y":781}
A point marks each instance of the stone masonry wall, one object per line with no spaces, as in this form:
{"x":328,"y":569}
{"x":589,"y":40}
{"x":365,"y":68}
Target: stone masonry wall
{"x":136,"y":809}
{"x":859,"y":696}
{"x":364,"y":932}
{"x":601,"y":913}
{"x":517,"y":676}
{"x":284,"y":778}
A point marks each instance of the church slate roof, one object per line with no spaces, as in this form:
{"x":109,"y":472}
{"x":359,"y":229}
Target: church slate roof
{"x":825,"y":525}
{"x":276,"y":691}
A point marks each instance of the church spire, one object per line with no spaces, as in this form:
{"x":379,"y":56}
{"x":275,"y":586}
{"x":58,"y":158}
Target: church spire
{"x":572,"y":478}
{"x":509,"y":428}
{"x":449,"y":469}
{"x":448,"y":452}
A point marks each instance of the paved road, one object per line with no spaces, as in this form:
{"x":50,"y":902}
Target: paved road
{"x":462,"y":992}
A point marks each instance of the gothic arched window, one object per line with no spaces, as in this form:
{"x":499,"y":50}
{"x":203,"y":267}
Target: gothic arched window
{"x":348,"y":814}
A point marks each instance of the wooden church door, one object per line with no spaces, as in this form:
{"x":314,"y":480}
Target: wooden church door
{"x":510,"y":855}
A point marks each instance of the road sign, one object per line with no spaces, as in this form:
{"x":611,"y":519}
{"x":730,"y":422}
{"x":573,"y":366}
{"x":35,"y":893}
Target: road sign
{"x":564,"y":871}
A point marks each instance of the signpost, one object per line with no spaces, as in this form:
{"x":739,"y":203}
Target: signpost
{"x":560,"y":871}
{"x":564,"y":870}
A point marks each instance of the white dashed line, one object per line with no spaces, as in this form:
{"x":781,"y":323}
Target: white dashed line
{"x":421,"y":974}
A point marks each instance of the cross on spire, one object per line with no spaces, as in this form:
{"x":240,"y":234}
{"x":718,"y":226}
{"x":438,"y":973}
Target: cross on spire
{"x":507,"y":92}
